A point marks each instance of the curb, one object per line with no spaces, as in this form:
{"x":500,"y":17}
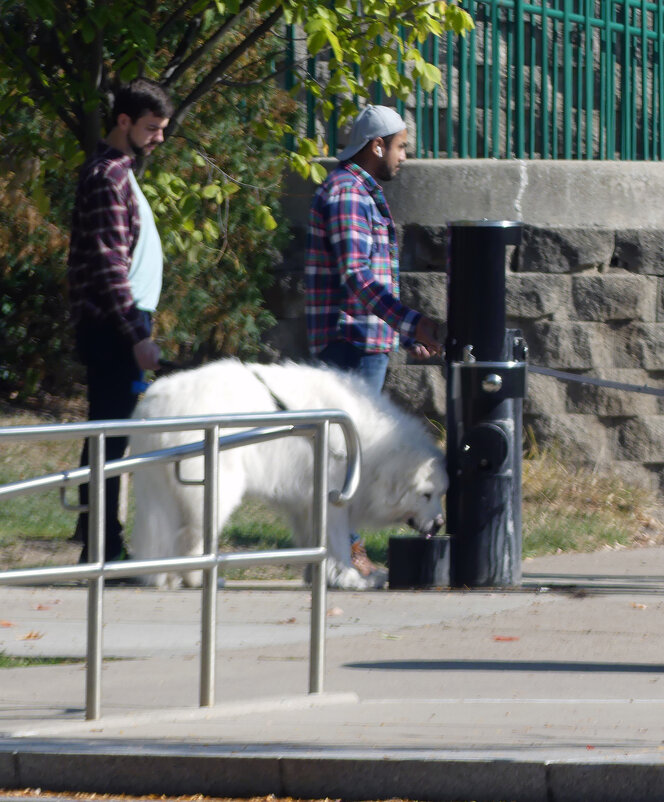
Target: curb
{"x":140,"y":768}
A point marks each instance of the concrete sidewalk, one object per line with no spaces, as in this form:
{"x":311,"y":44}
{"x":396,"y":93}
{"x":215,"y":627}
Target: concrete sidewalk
{"x":551,"y":692}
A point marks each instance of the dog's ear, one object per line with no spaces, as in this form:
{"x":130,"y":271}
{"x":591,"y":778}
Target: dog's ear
{"x":426,"y":469}
{"x":407,"y":480}
{"x":432,"y":471}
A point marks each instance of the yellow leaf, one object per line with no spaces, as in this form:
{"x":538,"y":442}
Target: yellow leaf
{"x":32,"y":635}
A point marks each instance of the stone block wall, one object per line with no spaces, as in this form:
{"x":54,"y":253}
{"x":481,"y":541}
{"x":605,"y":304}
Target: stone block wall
{"x":588,"y":294}
{"x":585,"y":308}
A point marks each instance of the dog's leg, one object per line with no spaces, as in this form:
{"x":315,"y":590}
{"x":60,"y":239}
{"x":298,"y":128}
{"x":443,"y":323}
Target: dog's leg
{"x":340,"y":571}
{"x":338,"y":539}
{"x":156,"y":519}
{"x":190,"y":537}
{"x":189,"y":540}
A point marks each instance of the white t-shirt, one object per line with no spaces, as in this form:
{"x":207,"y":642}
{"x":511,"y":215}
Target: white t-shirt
{"x":147,"y":263}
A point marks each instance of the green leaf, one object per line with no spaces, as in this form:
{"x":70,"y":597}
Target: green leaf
{"x":40,"y":9}
{"x":316,"y":42}
{"x":431,"y":77}
{"x":211,"y":230}
{"x":88,"y":31}
{"x":300,"y":165}
{"x":308,"y":148}
{"x":129,"y":71}
{"x":264,"y":218}
{"x":228,"y":189}
{"x":210,"y":191}
{"x":336,"y":47}
{"x":189,"y":205}
{"x":41,"y":199}
{"x":318,"y":173}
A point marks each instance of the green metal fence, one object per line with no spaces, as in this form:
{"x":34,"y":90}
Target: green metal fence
{"x":567,"y":79}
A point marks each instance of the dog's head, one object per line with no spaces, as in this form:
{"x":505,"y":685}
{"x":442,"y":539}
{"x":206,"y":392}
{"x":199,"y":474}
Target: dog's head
{"x":422,"y":503}
{"x":412,"y":495}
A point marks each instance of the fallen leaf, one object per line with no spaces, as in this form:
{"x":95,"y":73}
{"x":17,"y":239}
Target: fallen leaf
{"x":41,"y":607}
{"x":638,"y":606}
{"x":335,"y":611}
{"x":33,"y":635}
{"x":505,"y":638}
{"x":6,"y":624}
{"x":289,"y":621}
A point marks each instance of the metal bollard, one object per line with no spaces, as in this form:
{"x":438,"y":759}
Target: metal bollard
{"x":486,"y":382}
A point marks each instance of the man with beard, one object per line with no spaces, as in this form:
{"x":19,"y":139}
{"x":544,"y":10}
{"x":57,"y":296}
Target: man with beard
{"x":354,"y":316}
{"x":114,"y":275}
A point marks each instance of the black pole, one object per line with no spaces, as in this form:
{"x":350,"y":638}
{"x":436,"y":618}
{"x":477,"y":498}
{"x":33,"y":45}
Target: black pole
{"x":486,"y":375}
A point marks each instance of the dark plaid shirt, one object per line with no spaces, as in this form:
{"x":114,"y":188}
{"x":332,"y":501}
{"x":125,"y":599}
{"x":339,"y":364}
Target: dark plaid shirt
{"x":352,"y":267}
{"x":105,"y":228}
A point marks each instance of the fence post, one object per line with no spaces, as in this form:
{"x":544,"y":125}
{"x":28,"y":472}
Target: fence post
{"x":96,"y":551}
{"x":319,"y":573}
{"x":210,"y":543}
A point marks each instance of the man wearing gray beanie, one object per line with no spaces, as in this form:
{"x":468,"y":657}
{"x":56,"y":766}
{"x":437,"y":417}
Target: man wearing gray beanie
{"x":354,"y":316}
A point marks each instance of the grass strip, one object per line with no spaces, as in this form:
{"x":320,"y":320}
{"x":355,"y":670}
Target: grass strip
{"x":8,"y":661}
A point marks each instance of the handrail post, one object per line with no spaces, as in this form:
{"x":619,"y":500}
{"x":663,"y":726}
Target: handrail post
{"x":319,"y":573}
{"x":210,"y":543}
{"x":96,"y":551}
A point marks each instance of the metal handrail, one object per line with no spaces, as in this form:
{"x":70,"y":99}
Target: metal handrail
{"x":261,"y":427}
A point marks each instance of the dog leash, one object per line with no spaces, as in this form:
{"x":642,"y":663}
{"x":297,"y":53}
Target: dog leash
{"x":574,"y":377}
{"x":166,"y":367}
{"x":280,"y":404}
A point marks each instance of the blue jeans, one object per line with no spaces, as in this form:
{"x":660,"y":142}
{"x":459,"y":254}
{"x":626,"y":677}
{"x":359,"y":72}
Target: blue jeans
{"x":346,"y":356}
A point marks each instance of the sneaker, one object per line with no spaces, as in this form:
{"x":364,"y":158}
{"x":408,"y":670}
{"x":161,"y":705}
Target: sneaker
{"x":123,"y":554}
{"x":360,"y":560}
{"x":120,"y":581}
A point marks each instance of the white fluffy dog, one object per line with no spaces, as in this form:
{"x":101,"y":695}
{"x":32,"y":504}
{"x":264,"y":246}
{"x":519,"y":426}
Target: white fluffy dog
{"x":402,"y":477}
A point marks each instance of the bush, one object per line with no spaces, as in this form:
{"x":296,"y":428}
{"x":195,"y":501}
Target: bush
{"x":36,"y":351}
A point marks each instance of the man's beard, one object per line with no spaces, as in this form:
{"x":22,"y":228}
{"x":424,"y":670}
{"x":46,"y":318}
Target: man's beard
{"x":139,"y":152}
{"x":383,"y":172}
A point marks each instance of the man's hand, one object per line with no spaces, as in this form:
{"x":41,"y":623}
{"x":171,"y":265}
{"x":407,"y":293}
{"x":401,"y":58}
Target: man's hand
{"x":146,"y":354}
{"x":421,"y":352}
{"x":428,"y":337}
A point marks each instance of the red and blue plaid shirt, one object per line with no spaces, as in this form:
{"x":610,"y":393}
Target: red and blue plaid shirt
{"x":105,"y":228}
{"x":352,"y":266}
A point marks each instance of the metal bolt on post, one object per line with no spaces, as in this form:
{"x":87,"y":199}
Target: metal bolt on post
{"x":486,"y":382}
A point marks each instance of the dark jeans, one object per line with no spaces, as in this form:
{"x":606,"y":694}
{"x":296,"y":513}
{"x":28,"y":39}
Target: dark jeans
{"x":345,"y":355}
{"x":111,"y":371}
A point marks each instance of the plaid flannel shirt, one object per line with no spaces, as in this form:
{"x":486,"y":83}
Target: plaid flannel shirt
{"x":352,"y":267}
{"x":105,"y":228}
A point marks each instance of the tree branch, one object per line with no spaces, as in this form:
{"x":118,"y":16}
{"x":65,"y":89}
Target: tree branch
{"x":41,"y":89}
{"x":210,"y":43}
{"x":267,"y":57}
{"x":174,"y":17}
{"x":215,"y":74}
{"x":178,"y":54}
